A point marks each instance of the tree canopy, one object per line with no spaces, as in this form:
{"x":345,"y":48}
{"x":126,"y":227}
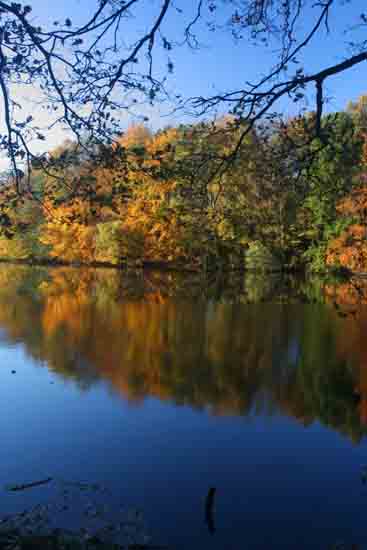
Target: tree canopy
{"x":238,"y":184}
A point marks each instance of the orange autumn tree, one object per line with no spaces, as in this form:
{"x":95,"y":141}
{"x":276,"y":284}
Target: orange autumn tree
{"x":159,"y":224}
{"x":129,"y":207}
{"x":144,"y":202}
{"x":69,"y":240}
{"x":76,"y":212}
{"x":349,"y":249}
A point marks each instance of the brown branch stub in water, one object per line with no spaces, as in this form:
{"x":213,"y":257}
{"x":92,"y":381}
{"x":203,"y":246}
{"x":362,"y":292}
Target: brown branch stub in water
{"x":209,"y":510}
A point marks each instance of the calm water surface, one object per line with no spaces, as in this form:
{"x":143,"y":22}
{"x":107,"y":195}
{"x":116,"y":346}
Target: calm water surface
{"x":161,"y":387}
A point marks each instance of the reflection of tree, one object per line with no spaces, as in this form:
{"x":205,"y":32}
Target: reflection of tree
{"x":350,"y":299}
{"x":171,"y":337}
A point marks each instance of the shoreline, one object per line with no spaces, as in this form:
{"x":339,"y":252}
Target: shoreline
{"x":174,"y":268}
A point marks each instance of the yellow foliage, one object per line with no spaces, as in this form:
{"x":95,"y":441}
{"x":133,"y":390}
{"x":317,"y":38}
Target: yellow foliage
{"x":70,"y":242}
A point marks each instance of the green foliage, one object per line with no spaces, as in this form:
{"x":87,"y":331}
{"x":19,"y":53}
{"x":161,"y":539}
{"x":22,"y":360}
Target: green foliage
{"x":151,"y":198}
{"x":259,"y":258}
{"x":23,"y":246}
{"x":316,"y":254}
{"x":108,"y":242}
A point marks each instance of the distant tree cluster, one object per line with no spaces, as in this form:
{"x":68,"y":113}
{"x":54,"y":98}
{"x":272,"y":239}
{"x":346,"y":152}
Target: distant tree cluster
{"x":285,"y":201}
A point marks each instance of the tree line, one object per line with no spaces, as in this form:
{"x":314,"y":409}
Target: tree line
{"x":287,"y":200}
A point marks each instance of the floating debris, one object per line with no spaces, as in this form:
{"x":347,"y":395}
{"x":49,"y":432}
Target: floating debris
{"x":26,"y":486}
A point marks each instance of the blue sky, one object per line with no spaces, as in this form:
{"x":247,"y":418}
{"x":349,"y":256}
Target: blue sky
{"x":221,"y":64}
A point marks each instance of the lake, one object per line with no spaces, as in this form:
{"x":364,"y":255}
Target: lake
{"x":161,"y":386}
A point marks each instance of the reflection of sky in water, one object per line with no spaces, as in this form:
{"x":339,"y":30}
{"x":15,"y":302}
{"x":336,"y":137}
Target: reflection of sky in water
{"x":274,"y":479}
{"x":279,"y":484}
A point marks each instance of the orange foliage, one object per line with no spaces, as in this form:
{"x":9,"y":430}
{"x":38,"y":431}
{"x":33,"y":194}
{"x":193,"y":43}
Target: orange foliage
{"x":69,"y":240}
{"x":156,"y":224}
{"x":141,"y":194}
{"x":350,"y":248}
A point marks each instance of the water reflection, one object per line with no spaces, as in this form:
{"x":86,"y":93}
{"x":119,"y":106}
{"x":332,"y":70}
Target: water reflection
{"x":253,"y":348}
